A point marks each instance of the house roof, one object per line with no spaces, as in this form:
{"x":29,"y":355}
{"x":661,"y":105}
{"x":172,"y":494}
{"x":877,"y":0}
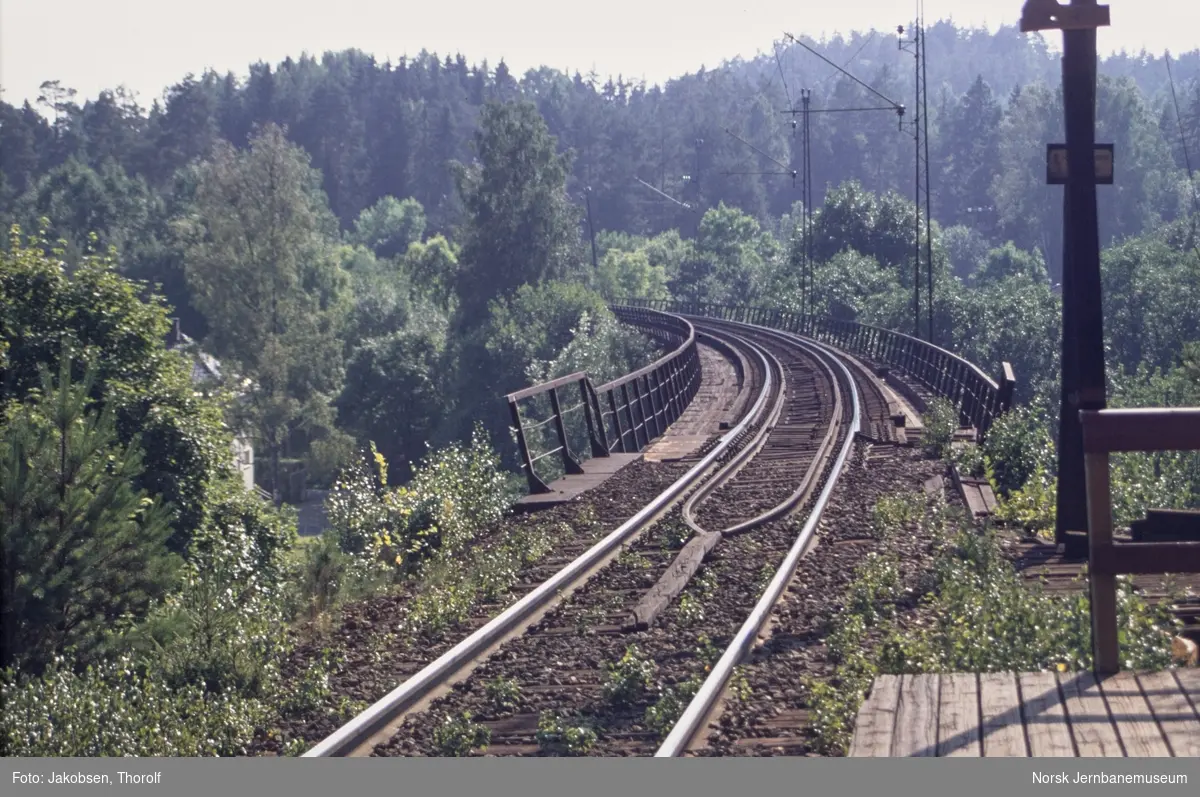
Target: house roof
{"x":205,"y":367}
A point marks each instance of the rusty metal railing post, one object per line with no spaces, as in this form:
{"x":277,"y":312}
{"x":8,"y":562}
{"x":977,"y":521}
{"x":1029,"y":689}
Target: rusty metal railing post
{"x":616,"y":416}
{"x":570,"y":464}
{"x":536,"y":485}
{"x":596,"y":434}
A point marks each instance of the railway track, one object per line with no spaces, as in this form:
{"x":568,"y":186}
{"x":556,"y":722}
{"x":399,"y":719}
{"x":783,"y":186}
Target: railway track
{"x":378,"y":722}
{"x":654,"y":624}
{"x":775,"y":719}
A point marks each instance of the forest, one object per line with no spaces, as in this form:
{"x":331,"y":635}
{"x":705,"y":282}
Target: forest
{"x":375,"y":253}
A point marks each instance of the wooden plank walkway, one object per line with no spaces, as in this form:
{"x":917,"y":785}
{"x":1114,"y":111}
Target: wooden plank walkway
{"x":713,"y":404}
{"x":1039,"y":714}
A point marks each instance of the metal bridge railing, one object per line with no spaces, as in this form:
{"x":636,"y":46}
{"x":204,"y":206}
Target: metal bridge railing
{"x":622,"y":415}
{"x":978,"y":398}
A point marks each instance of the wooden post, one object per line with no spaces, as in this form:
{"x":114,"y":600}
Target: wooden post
{"x":1083,"y":334}
{"x":1101,"y":584}
{"x":1105,"y":431}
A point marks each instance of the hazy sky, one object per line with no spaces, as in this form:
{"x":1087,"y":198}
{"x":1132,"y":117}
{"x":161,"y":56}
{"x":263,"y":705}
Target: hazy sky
{"x":147,"y":45}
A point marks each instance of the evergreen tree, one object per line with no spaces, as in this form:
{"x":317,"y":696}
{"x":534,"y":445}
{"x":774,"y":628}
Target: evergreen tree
{"x":520,"y":228}
{"x":82,"y":547}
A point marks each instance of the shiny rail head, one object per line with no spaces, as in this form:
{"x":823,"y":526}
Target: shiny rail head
{"x":361,"y":728}
{"x":688,"y":726}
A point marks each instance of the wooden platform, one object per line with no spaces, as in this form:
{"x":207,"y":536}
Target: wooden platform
{"x":1040,"y":714}
{"x":596,"y":471}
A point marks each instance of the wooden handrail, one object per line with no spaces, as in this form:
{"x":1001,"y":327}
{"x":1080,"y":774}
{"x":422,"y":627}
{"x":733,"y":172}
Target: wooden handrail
{"x":1105,"y":432}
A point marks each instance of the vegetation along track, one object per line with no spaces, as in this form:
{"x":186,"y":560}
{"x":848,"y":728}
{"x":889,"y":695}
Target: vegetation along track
{"x":777,"y":716}
{"x":584,"y":679}
{"x":365,"y":731}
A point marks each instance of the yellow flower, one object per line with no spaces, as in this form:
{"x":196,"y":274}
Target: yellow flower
{"x":398,"y":560}
{"x":1061,"y":667}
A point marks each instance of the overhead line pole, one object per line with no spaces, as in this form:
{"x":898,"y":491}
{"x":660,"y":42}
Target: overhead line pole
{"x":917,"y":189}
{"x":928,"y":200}
{"x":808,"y":267}
{"x":587,"y":196}
{"x":1083,"y":378}
{"x":921,"y":178}
{"x":808,"y":272}
{"x":807,"y":199}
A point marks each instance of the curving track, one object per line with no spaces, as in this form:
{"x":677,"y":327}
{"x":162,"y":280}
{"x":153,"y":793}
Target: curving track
{"x":802,"y":409}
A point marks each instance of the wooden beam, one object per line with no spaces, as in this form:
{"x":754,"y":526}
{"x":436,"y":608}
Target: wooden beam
{"x":917,"y":717}
{"x":1158,"y":429}
{"x":1102,"y":585}
{"x":1175,"y":715}
{"x":1145,"y":558}
{"x":1167,"y":525}
{"x":673,"y":581}
{"x":1140,"y":734}
{"x":1045,"y":716}
{"x":958,"y":716}
{"x":1094,"y":734}
{"x":1000,"y":715}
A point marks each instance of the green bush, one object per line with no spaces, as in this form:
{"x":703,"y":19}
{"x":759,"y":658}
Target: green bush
{"x":690,"y":611}
{"x":941,"y":422}
{"x":628,"y":679}
{"x":987,"y":619}
{"x":1017,"y":446}
{"x":848,"y":632}
{"x":313,"y":689}
{"x":1032,"y":506}
{"x":662,"y":716}
{"x":984,"y":618}
{"x":83,"y":550}
{"x":832,"y":708}
{"x":893,"y":513}
{"x":49,"y":315}
{"x":558,"y":736}
{"x":458,"y":736}
{"x":438,"y":609}
{"x":504,"y":693}
{"x":875,"y":588}
{"x":455,"y":493}
{"x":226,"y":627}
{"x":120,"y":708}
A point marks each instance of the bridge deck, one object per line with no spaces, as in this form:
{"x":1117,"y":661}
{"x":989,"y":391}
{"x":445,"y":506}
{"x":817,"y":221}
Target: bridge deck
{"x":702,"y":419}
{"x":699,"y":421}
{"x":596,"y":471}
{"x":1040,"y":714}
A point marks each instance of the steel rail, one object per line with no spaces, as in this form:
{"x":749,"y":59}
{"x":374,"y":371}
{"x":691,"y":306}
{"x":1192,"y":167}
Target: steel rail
{"x":362,"y":728}
{"x":698,"y":709}
{"x":752,"y":447}
{"x":805,"y":486}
